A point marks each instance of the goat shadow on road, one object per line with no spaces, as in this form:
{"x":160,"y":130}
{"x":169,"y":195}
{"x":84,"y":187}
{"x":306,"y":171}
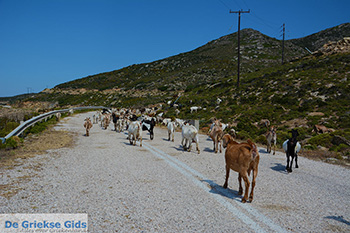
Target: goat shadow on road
{"x":339,"y":219}
{"x":207,"y":149}
{"x":263,"y":151}
{"x":279,"y":168}
{"x":218,"y":189}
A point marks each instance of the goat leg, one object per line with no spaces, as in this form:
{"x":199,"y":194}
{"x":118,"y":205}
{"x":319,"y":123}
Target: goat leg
{"x":291,"y":164}
{"x":287,"y":167}
{"x":197,"y":146}
{"x":296,"y":161}
{"x":247,"y":184}
{"x":227,"y":175}
{"x":182,"y":143}
{"x":240,"y":190}
{"x":189,"y":146}
{"x":255,"y":174}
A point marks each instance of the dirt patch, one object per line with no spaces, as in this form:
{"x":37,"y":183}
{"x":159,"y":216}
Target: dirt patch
{"x":295,"y":123}
{"x":326,"y":156}
{"x":34,"y":145}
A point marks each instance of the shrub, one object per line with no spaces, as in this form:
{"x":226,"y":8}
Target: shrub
{"x":12,"y":142}
{"x":309,"y":147}
{"x":321,"y":140}
{"x":340,"y":148}
{"x":8,"y":128}
{"x":243,"y":135}
{"x":261,"y":139}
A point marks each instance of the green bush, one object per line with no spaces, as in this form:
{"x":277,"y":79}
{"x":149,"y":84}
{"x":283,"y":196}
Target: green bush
{"x":321,"y":140}
{"x":261,"y":139}
{"x":340,"y":148}
{"x":243,"y":135}
{"x":9,"y":126}
{"x":309,"y":147}
{"x":11,"y":143}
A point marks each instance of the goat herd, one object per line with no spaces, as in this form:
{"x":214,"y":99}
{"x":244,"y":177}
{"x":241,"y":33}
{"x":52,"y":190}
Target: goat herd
{"x":240,"y":157}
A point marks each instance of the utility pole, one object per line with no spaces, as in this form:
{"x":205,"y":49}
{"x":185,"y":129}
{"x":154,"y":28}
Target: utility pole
{"x":284,"y":32}
{"x":239,"y":28}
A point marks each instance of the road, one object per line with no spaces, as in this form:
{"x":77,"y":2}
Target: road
{"x":160,"y":188}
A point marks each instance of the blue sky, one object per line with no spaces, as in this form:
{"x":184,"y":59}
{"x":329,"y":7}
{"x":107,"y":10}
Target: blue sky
{"x":44,"y":43}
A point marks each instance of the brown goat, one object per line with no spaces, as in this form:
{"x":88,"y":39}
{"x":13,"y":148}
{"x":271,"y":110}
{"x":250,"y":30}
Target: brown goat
{"x":271,"y":137}
{"x":242,"y":158}
{"x":216,"y":134}
{"x":87,"y":125}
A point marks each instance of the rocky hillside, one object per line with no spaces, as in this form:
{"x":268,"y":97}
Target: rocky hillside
{"x":203,"y":65}
{"x":315,"y":41}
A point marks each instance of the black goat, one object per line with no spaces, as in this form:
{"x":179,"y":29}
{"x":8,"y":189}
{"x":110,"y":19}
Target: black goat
{"x":292,"y":147}
{"x":149,"y":125}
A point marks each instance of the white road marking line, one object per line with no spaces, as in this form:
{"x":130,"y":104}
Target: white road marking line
{"x":191,"y":173}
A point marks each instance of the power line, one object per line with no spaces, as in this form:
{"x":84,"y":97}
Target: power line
{"x":224,"y":4}
{"x":284,"y":32}
{"x":239,"y":27}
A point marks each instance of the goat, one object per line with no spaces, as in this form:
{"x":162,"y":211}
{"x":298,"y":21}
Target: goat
{"x":194,"y":108}
{"x":149,"y":125}
{"x":216,"y":134}
{"x":115,"y":119}
{"x":179,"y":122}
{"x":319,"y":129}
{"x":242,"y":158}
{"x":189,"y":134}
{"x":292,"y":147}
{"x":119,"y":125}
{"x":87,"y":125}
{"x":171,"y":130}
{"x":271,"y":137}
{"x":58,"y":116}
{"x":135,"y":133}
{"x":106,"y":120}
{"x":222,"y":125}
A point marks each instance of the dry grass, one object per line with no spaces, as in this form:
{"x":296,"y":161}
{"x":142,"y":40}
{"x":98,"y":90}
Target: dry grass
{"x":34,"y":145}
{"x":327,"y":156}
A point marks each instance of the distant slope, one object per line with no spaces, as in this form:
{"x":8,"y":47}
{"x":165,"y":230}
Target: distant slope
{"x":208,"y":63}
{"x":317,"y":40}
{"x":203,"y":65}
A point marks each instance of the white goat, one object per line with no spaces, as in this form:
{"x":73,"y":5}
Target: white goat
{"x":189,"y":134}
{"x":171,"y":130}
{"x":194,"y":108}
{"x":135,"y":133}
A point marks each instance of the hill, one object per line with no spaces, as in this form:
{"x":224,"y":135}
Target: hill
{"x":203,"y":65}
{"x":315,"y":41}
{"x":306,"y":90}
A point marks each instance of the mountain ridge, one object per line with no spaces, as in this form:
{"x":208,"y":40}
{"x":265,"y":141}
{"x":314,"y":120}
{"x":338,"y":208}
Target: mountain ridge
{"x":216,"y":58}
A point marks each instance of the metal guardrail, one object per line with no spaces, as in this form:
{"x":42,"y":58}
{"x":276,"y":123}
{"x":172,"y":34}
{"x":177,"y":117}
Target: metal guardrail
{"x":41,"y":117}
